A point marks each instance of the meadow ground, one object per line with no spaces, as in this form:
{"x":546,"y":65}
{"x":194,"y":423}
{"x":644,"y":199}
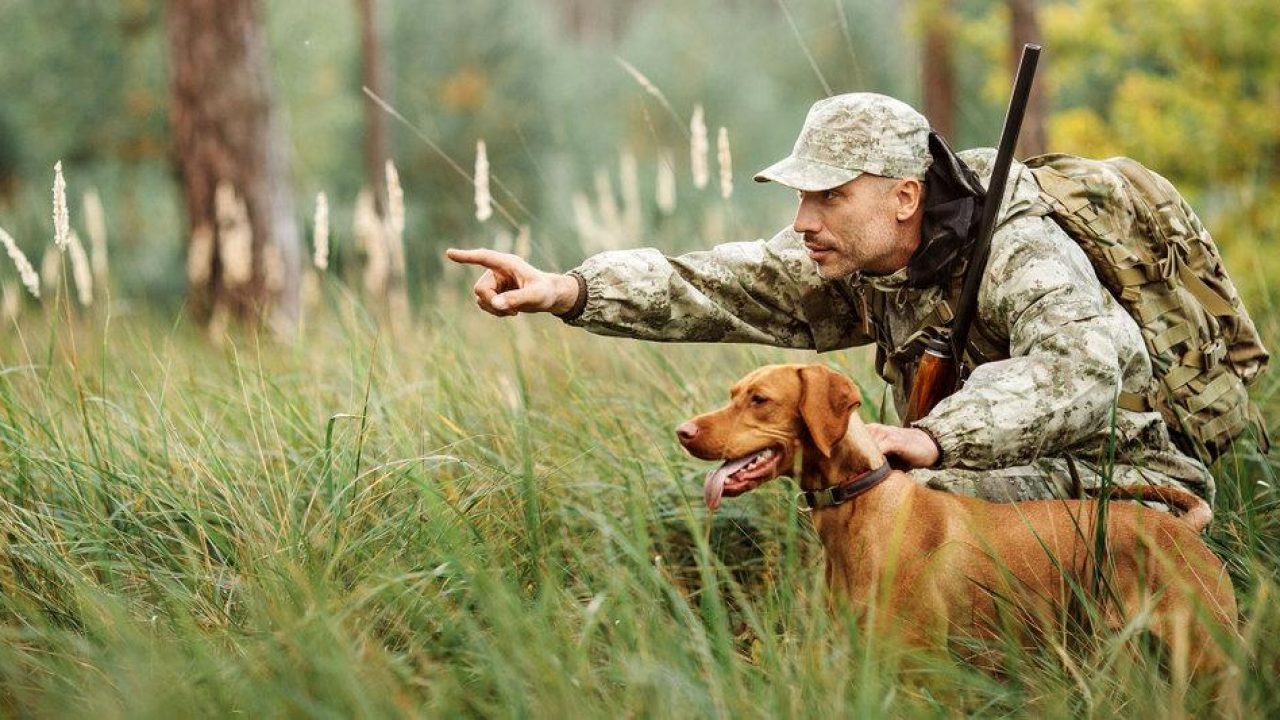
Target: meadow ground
{"x":484,"y":518}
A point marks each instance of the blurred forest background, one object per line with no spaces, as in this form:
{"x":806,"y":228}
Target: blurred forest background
{"x":478,"y":518}
{"x":575,"y":141}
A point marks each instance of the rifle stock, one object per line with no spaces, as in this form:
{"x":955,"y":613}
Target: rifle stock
{"x":937,"y":374}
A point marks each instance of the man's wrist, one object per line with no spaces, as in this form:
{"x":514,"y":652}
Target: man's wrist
{"x":571,"y":296}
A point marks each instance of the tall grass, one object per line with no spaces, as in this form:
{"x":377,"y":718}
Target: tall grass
{"x":483,"y":518}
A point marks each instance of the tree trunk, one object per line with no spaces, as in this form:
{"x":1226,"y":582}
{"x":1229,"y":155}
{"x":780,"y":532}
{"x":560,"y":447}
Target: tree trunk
{"x":245,"y":256}
{"x":375,"y":122}
{"x":939,"y":76}
{"x":1024,"y":27}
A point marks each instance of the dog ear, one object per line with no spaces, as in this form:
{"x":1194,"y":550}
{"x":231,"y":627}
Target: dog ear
{"x":827,"y":400}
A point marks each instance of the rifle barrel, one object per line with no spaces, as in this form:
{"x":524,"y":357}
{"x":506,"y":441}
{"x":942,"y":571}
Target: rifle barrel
{"x":968,"y":303}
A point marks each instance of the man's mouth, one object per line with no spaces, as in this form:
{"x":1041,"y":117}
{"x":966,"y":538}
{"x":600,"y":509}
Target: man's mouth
{"x":816,"y":251}
{"x":736,"y":477}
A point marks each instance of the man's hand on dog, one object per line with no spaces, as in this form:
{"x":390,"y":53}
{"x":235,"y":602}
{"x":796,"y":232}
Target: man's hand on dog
{"x":912,"y":447}
{"x":511,"y":286}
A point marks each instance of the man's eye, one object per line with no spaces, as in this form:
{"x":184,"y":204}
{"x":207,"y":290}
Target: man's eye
{"x":830,"y":195}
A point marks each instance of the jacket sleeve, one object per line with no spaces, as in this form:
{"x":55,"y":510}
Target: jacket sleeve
{"x":1071,"y":347}
{"x":766,"y":292}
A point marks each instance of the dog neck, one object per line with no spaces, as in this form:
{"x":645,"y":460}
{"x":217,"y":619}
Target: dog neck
{"x":853,"y":455}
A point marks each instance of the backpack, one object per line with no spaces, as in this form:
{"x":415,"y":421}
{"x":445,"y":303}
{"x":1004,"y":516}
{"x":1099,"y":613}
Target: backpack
{"x":1153,"y":254}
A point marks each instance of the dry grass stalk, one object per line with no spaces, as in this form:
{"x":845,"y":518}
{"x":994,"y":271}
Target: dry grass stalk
{"x":666,"y":192}
{"x":61,"y":218}
{"x":200,"y":256}
{"x":648,"y":86}
{"x":484,"y":201}
{"x":10,"y":302}
{"x":698,"y":149}
{"x":26,"y":272}
{"x":81,"y":273}
{"x":321,"y":256}
{"x":726,"y":164}
{"x":235,"y":237}
{"x":369,"y":231}
{"x":629,"y":178}
{"x":95,"y":223}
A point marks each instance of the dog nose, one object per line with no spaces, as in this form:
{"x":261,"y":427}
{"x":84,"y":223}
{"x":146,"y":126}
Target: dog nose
{"x":687,"y":431}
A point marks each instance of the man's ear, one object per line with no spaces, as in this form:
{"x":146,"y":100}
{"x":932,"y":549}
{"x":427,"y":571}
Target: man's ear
{"x":908,"y":193}
{"x":827,"y":400}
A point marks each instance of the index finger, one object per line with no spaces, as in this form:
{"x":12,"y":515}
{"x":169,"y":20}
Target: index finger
{"x":483,"y":257}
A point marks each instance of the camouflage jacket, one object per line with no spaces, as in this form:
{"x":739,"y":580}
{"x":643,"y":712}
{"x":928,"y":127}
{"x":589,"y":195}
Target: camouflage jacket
{"x":1055,"y":347}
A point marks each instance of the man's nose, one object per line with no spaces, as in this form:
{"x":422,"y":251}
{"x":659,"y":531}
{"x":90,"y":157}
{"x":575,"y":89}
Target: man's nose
{"x":806,"y":221}
{"x":687,"y":431}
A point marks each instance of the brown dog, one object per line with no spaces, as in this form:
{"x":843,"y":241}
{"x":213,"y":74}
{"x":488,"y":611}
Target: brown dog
{"x":937,"y":565}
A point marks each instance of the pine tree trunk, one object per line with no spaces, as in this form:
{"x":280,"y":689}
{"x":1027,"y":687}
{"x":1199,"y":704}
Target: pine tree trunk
{"x":227,"y":133}
{"x":938,"y":69}
{"x":375,"y":123}
{"x":1024,"y":27}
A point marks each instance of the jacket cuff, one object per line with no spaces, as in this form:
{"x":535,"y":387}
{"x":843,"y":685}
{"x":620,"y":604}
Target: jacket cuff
{"x":579,"y":304}
{"x":947,"y":447}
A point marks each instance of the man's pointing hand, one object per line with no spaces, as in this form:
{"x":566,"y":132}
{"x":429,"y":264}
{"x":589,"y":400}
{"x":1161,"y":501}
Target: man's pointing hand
{"x":511,"y":286}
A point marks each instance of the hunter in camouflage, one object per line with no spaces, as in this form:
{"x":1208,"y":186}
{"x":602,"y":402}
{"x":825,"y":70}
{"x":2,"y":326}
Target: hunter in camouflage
{"x":1033,"y":420}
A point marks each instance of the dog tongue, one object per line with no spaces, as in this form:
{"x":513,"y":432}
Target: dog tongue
{"x":714,"y":488}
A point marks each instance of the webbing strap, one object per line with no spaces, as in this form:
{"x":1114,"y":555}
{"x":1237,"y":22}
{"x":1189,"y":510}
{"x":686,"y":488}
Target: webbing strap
{"x":1170,"y":337}
{"x":1180,"y":375}
{"x":1212,"y":301}
{"x":1212,"y":392}
{"x":1228,"y":424}
{"x":1133,"y":402}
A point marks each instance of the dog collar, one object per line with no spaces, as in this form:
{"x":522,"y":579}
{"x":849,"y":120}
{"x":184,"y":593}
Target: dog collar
{"x":846,"y":491}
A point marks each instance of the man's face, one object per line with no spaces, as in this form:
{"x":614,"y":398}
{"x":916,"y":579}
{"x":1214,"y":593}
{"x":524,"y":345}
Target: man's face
{"x":858,"y":226}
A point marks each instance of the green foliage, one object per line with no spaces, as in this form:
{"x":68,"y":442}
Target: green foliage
{"x":478,"y":520}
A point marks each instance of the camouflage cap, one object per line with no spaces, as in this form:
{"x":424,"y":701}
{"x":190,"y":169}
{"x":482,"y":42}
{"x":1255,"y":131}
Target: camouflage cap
{"x":847,"y":135}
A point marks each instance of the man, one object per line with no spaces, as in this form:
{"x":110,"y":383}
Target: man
{"x":869,"y":258}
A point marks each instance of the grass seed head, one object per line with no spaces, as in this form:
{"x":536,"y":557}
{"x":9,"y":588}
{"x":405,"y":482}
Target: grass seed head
{"x":61,"y":218}
{"x":666,"y":191}
{"x":321,"y":256}
{"x":484,"y":201}
{"x":698,"y":149}
{"x":81,"y":272}
{"x":26,"y":272}
{"x":95,"y":223}
{"x":235,"y":236}
{"x":726,"y":164}
{"x":200,"y":256}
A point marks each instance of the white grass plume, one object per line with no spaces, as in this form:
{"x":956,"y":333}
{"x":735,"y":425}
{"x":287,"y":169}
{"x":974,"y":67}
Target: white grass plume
{"x":61,"y":218}
{"x":484,"y":201}
{"x":51,"y":267}
{"x":10,"y":302}
{"x":629,"y":182}
{"x":394,"y":235}
{"x":698,"y":149}
{"x":26,"y":272}
{"x":200,"y":256}
{"x":95,"y":223}
{"x":369,"y":232}
{"x":81,"y":273}
{"x":666,"y":191}
{"x":235,"y":236}
{"x":321,"y":251}
{"x":726,"y":164}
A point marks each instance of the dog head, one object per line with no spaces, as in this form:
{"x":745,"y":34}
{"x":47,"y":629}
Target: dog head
{"x":776,"y":416}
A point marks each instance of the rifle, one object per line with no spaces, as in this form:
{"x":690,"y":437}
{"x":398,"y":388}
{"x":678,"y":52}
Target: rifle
{"x":937,"y":374}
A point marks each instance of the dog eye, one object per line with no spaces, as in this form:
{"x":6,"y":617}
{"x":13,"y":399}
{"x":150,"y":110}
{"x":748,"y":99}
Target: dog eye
{"x":759,"y":399}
